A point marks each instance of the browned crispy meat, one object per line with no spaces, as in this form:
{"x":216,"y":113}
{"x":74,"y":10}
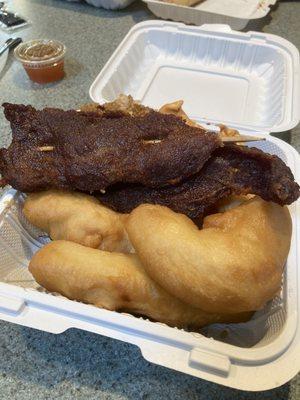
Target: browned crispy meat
{"x":194,"y":197}
{"x":90,"y":151}
{"x":125,"y":104}
{"x":230,"y":170}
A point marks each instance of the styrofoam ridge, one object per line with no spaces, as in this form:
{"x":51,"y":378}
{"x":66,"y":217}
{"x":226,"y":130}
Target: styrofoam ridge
{"x":249,"y":81}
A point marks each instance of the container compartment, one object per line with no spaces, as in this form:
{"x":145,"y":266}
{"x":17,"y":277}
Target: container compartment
{"x":221,"y":353}
{"x":243,"y":80}
{"x":20,"y":240}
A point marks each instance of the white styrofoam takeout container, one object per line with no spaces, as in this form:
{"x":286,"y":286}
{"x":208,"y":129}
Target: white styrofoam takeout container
{"x":235,"y":13}
{"x":249,"y":81}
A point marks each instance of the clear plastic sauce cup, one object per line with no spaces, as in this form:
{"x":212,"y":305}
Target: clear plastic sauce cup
{"x":43,"y":59}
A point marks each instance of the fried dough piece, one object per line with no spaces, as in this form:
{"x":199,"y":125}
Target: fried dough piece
{"x":116,"y":282}
{"x":77,"y":217}
{"x":233,"y":264}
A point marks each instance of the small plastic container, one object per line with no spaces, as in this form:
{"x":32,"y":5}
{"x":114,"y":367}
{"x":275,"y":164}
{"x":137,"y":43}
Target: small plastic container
{"x":42,"y":59}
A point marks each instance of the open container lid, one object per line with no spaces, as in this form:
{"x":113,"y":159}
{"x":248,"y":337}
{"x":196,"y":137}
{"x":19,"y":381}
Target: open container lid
{"x":249,"y":81}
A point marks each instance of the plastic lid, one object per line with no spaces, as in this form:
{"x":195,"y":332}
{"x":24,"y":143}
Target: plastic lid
{"x":41,"y":51}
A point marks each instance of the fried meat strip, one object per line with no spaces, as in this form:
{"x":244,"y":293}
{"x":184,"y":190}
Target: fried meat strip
{"x":56,"y":149}
{"x":230,"y":170}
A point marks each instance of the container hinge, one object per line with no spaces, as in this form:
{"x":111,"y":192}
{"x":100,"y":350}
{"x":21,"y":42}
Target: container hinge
{"x":209,"y":361}
{"x":11,"y":305}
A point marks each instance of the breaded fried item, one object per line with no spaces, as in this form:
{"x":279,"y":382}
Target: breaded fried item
{"x":116,"y":282}
{"x":56,"y":149}
{"x":175,"y":108}
{"x":231,"y":170}
{"x":122,"y":104}
{"x":77,"y":217}
{"x":233,"y":264}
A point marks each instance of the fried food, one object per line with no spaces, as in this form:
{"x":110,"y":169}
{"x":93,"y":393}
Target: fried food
{"x":175,"y":108}
{"x":128,"y":106}
{"x":56,"y":149}
{"x":194,"y":198}
{"x":77,"y":217}
{"x":225,"y":132}
{"x":233,"y":264}
{"x":231,"y":170}
{"x":116,"y":282}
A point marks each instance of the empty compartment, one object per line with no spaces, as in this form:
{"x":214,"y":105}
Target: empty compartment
{"x":242,"y":80}
{"x":222,"y":81}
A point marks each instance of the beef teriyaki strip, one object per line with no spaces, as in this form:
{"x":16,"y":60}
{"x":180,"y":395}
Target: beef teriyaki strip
{"x":230,"y":170}
{"x":193,"y":198}
{"x":60,"y":149}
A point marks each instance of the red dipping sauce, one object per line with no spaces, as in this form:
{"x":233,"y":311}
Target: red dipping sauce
{"x":43,"y":60}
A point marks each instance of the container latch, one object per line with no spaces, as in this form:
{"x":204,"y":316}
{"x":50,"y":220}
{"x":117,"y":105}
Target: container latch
{"x":11,"y":305}
{"x":209,"y":361}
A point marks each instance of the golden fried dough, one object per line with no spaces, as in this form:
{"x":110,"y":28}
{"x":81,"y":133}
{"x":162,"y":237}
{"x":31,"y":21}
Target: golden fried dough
{"x":77,"y":217}
{"x":233,"y":264}
{"x":114,"y":281}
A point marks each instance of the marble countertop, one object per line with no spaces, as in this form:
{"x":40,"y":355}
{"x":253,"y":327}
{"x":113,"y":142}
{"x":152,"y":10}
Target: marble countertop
{"x":76,"y":364}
